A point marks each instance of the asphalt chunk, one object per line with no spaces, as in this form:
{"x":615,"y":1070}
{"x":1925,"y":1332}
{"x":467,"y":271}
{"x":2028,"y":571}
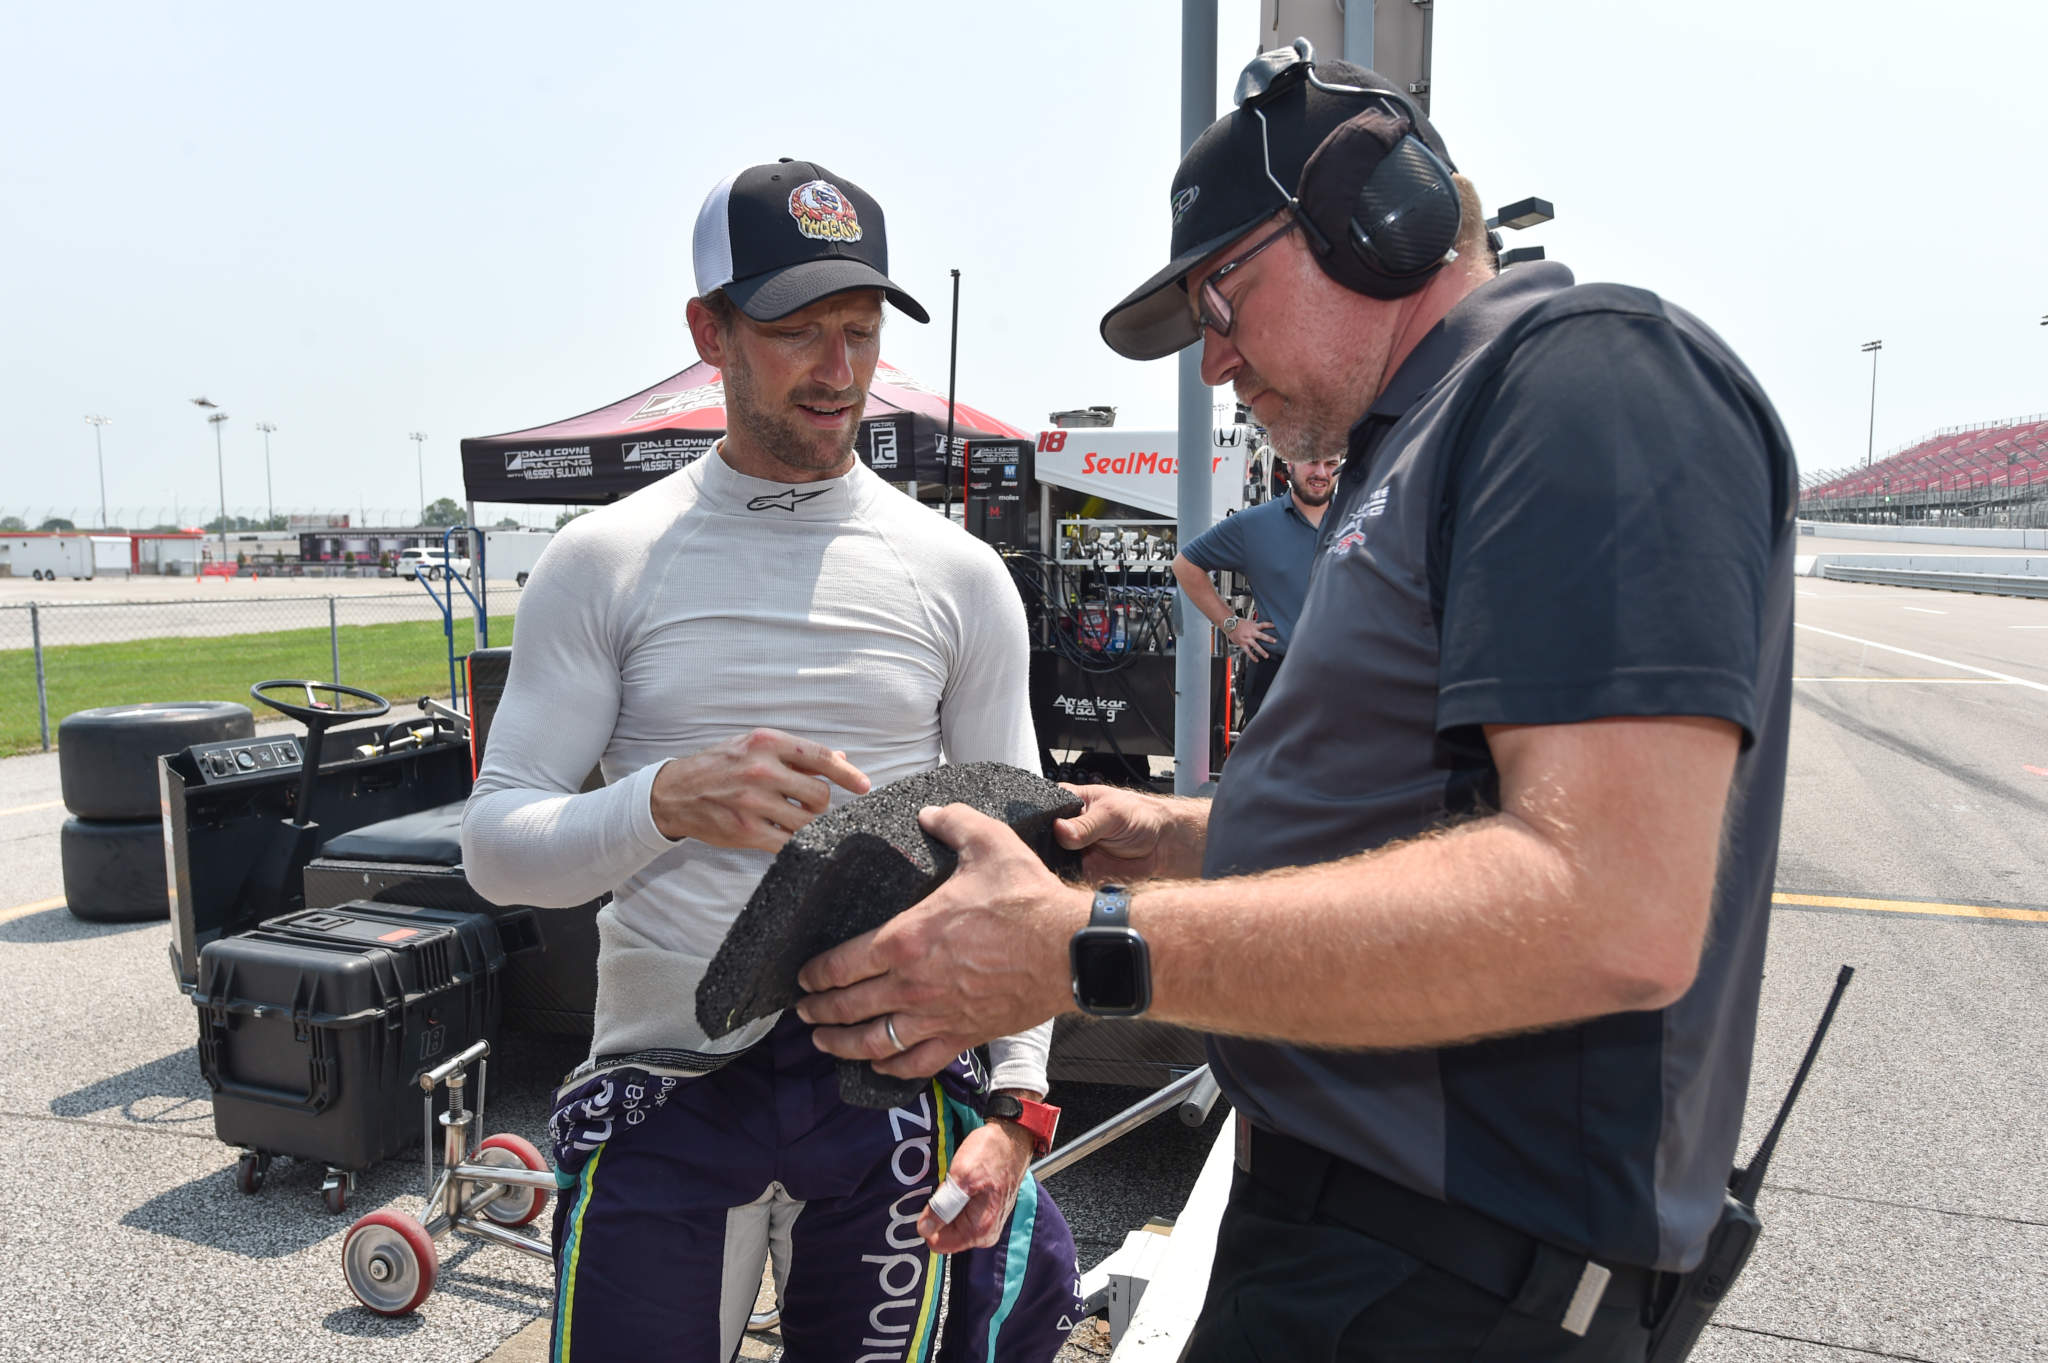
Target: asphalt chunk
{"x":850,"y":871}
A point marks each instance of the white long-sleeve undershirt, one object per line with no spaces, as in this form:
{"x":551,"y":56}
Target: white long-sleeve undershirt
{"x":699,"y":608}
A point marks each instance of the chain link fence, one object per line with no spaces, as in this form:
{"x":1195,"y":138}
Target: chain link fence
{"x":58,"y":657}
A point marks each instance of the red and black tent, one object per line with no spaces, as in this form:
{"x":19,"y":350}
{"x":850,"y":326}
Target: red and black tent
{"x":605,"y":454}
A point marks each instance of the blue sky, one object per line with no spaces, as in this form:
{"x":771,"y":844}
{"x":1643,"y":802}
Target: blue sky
{"x":357,"y":223}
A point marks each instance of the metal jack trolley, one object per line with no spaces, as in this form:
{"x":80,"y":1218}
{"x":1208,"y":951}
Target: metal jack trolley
{"x":487,"y":1188}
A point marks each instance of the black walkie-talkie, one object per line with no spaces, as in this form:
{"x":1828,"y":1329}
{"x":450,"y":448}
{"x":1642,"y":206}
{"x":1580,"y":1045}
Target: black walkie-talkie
{"x":1698,"y":1294}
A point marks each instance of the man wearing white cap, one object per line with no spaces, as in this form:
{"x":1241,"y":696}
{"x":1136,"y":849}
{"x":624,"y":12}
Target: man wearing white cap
{"x":776,"y":582}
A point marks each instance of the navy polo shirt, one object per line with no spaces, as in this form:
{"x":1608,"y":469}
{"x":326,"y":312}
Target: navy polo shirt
{"x":1571,"y":502}
{"x":1273,"y":545}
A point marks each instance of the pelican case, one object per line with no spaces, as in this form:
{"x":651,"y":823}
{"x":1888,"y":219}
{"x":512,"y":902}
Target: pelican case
{"x":315,"y":1027}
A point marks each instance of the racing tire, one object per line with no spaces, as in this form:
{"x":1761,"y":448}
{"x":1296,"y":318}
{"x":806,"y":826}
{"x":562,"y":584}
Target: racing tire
{"x":114,"y":872}
{"x":516,"y":1205}
{"x":106,"y":757}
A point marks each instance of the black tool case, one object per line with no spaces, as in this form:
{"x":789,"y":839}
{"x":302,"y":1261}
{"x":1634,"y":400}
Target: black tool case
{"x":315,"y":1027}
{"x":550,"y":981}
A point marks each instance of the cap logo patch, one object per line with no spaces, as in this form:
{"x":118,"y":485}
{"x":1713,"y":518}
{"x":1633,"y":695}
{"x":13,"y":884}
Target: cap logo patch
{"x":822,"y":213}
{"x":1183,"y":201}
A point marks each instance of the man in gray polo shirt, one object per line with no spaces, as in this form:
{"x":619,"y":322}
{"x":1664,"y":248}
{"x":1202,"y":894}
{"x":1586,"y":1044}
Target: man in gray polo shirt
{"x":1484,"y":893}
{"x":1272,"y":544}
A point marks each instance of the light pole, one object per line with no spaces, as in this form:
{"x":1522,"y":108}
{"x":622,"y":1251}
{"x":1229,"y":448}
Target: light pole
{"x":418,"y":439}
{"x":215,"y":419}
{"x":101,"y":455}
{"x":1871,"y":348}
{"x":269,"y":497}
{"x":1522,"y":213}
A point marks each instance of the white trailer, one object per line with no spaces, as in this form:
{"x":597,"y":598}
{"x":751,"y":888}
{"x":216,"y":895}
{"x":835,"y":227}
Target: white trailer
{"x":113,"y":554}
{"x":509,"y":555}
{"x":46,"y":558}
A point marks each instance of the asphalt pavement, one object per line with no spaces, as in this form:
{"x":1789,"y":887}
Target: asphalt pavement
{"x":117,"y":609}
{"x":1906,"y":1216}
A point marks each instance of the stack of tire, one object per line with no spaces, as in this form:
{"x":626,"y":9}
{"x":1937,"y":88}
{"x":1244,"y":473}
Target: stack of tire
{"x":113,"y":845}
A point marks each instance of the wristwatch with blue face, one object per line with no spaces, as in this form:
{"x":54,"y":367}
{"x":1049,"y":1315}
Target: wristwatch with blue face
{"x":1112,"y":966}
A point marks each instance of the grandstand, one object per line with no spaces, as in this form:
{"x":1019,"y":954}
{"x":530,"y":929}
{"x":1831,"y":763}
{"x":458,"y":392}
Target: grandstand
{"x":1991,"y":474}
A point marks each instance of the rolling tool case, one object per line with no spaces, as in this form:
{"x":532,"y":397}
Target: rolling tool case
{"x":315,"y":1027}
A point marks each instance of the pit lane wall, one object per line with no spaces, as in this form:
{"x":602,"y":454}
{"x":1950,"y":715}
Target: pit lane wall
{"x":2017,"y":538}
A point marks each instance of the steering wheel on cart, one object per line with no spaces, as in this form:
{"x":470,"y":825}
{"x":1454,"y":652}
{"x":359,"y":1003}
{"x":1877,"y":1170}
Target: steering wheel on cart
{"x":316,"y":712}
{"x":317,"y":715}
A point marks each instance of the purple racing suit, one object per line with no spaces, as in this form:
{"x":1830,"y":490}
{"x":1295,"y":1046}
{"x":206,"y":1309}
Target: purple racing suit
{"x":685,"y":1187}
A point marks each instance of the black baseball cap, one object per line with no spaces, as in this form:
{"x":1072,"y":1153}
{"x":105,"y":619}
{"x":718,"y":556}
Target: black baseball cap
{"x":1221,"y":191}
{"x":779,"y":237}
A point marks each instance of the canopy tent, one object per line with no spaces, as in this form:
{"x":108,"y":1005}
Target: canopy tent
{"x":605,"y":454}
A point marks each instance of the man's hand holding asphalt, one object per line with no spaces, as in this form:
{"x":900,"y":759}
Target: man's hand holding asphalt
{"x":971,"y":961}
{"x":985,"y":954}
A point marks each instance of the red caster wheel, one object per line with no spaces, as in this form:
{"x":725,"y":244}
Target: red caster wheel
{"x":249,"y":1172}
{"x":389,"y":1261}
{"x":515,"y":1206}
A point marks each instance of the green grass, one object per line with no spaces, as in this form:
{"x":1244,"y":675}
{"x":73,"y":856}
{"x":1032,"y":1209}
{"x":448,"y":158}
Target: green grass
{"x":401,"y":661}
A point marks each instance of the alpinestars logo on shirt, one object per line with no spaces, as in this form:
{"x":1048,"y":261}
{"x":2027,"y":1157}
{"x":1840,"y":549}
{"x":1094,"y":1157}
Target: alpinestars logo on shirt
{"x":1351,"y":533}
{"x":785,"y":500}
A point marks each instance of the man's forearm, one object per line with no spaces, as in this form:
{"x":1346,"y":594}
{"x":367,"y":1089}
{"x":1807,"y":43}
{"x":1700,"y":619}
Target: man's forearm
{"x":1019,"y":1059}
{"x":1200,"y":591}
{"x":1186,"y":836}
{"x":1484,"y":930}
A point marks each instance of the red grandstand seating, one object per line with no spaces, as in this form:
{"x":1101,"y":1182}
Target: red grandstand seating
{"x":2011,"y":454}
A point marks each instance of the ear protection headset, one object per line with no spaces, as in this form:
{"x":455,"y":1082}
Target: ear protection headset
{"x":1382,"y":232}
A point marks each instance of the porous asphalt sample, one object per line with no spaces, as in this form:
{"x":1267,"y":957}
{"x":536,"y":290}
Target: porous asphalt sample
{"x":851,"y":870}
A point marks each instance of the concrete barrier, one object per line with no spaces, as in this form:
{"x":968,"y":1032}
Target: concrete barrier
{"x":1997,"y":565}
{"x":2018,"y":538}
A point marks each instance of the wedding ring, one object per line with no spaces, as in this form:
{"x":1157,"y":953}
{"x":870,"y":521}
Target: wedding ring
{"x":889,"y":1026}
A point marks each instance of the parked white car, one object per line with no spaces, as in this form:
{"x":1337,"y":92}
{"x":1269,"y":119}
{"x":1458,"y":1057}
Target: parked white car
{"x":431,"y":564}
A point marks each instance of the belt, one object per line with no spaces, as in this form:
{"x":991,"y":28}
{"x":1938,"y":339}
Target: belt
{"x":1536,"y":1278}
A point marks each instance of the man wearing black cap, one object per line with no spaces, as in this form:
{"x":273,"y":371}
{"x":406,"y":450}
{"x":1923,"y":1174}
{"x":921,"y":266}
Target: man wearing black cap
{"x":776,"y":581}
{"x":1481,"y":920}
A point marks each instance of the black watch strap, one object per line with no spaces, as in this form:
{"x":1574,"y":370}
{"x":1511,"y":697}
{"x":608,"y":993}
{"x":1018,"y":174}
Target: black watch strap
{"x":1112,"y":907}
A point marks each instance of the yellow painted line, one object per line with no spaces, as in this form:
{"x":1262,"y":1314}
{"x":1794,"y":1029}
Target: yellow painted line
{"x":24,"y":910}
{"x":30,"y":809}
{"x":1831,"y":901}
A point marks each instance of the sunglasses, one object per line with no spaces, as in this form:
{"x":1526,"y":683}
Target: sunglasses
{"x":1212,"y":310}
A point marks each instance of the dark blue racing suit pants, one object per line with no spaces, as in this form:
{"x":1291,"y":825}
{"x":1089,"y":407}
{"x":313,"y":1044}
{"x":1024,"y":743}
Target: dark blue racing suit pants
{"x":685,"y":1187}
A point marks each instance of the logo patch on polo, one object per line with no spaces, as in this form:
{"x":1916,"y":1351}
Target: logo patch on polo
{"x":822,"y":213}
{"x":1183,"y":201}
{"x":1351,"y":534}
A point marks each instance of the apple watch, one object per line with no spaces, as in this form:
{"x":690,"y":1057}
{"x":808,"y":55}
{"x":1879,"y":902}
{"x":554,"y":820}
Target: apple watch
{"x":1040,"y":1120}
{"x":1112,"y":966}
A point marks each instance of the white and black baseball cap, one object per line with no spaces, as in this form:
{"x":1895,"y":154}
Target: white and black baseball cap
{"x":779,"y":237}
